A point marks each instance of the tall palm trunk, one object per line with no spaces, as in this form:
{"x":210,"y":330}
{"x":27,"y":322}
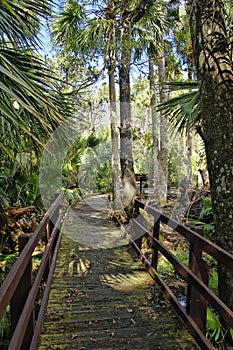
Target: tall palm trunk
{"x":114,"y":140}
{"x":127,"y":168}
{"x":154,"y":118}
{"x":131,"y":13}
{"x":188,"y":155}
{"x":163,"y":149}
{"x":111,"y":65}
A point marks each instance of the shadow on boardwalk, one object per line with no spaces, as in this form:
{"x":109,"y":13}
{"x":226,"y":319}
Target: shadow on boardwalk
{"x":104,"y":298}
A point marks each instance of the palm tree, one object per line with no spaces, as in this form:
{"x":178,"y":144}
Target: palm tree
{"x":25,"y":97}
{"x":150,"y":30}
{"x":92,"y":37}
{"x":30,"y":107}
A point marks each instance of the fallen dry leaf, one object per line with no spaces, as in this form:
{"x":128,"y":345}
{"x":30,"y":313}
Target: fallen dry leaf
{"x":130,"y":310}
{"x":81,"y":292}
{"x":74,"y":336}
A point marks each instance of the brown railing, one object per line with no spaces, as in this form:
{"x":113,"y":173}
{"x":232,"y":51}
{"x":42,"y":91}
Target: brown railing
{"x":20,"y":289}
{"x":196,"y":275}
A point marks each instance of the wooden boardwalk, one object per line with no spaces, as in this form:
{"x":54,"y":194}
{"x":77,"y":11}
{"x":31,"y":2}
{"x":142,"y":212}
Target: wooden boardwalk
{"x":104,"y":298}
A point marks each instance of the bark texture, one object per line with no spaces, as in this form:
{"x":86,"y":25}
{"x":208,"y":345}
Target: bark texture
{"x":131,"y":13}
{"x":128,"y":177}
{"x":111,"y":65}
{"x":213,"y":60}
{"x":163,"y":147}
{"x":154,"y":119}
{"x":115,"y":143}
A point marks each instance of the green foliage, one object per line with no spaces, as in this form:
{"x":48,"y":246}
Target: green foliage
{"x":66,"y":24}
{"x":72,"y":194}
{"x":19,"y":179}
{"x":24,"y":93}
{"x":84,"y":152}
{"x":177,"y":167}
{"x":103,"y":178}
{"x":6,"y":262}
{"x":5,"y":324}
{"x":207,"y":207}
{"x":205,"y":219}
{"x":30,"y":105}
{"x":183,"y":109}
{"x":231,"y":333}
{"x":216,"y":333}
{"x":213,"y":280}
{"x":181,"y":253}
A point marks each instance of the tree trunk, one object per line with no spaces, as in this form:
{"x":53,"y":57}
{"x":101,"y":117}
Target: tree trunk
{"x":154,"y":118}
{"x":127,"y":169}
{"x":215,"y":75}
{"x":110,"y":59}
{"x":163,"y":149}
{"x":117,"y":204}
{"x":131,"y":13}
{"x":203,"y":174}
{"x":188,"y":156}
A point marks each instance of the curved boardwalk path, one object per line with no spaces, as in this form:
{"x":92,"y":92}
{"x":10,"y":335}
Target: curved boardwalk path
{"x":103,"y":298}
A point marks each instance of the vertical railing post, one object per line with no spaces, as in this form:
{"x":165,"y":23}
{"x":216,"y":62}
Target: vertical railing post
{"x":47,"y":236}
{"x":156,"y":230}
{"x":54,"y":219}
{"x":196,"y":302}
{"x":140,"y":187}
{"x":48,"y":230}
{"x":20,"y":296}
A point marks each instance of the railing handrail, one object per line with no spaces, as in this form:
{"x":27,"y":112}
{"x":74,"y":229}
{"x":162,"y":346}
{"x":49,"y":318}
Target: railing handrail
{"x":188,"y":275}
{"x":12,"y":280}
{"x":192,"y":277}
{"x":206,"y":245}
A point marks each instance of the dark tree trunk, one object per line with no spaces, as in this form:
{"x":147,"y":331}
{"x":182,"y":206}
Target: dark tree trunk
{"x":215,"y":75}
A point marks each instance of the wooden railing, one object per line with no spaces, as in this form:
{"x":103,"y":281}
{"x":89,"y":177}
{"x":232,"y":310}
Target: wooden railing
{"x":196,"y":274}
{"x":20,"y":289}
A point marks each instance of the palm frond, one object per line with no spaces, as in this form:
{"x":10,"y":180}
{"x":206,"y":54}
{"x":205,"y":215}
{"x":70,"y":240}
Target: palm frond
{"x":68,"y":23}
{"x":148,"y":32}
{"x":28,"y":86}
{"x":20,"y":21}
{"x":183,"y":111}
{"x":24,"y":77}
